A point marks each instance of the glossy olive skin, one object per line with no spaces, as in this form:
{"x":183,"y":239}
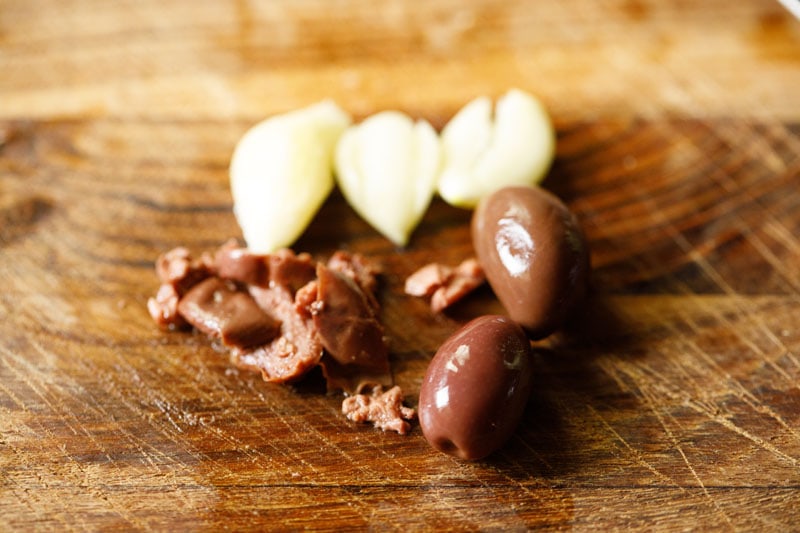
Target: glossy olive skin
{"x":534,"y":253}
{"x":476,"y":387}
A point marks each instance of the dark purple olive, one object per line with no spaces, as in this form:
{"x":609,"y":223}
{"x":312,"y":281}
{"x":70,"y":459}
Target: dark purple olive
{"x":476,"y":388}
{"x":534,"y":254}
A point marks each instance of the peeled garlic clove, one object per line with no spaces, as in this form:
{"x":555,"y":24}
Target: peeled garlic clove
{"x":482,"y":155}
{"x":282,"y":171}
{"x":386,"y":168}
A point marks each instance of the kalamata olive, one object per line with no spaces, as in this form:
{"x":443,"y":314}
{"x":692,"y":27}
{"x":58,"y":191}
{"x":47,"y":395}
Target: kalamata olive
{"x":476,"y":387}
{"x":534,"y":254}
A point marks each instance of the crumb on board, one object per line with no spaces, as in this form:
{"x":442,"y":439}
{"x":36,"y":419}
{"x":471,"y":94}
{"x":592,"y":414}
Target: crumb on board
{"x":384,"y":409}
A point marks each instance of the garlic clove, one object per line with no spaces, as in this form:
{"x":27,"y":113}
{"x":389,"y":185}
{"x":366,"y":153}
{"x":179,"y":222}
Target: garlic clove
{"x":282,"y":171}
{"x":481,"y":155}
{"x":386,"y":168}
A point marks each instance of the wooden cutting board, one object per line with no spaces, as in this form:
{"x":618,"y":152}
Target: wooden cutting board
{"x":672,"y":402}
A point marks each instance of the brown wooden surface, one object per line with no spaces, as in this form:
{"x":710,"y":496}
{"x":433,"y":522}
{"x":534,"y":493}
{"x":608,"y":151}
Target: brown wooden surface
{"x":673,"y":403}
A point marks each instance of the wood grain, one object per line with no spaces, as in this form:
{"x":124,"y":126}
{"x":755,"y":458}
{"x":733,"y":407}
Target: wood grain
{"x":670,"y":403}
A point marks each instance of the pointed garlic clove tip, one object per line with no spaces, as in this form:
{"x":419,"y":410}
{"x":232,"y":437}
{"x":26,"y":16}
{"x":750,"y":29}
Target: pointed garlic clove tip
{"x":386,"y":168}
